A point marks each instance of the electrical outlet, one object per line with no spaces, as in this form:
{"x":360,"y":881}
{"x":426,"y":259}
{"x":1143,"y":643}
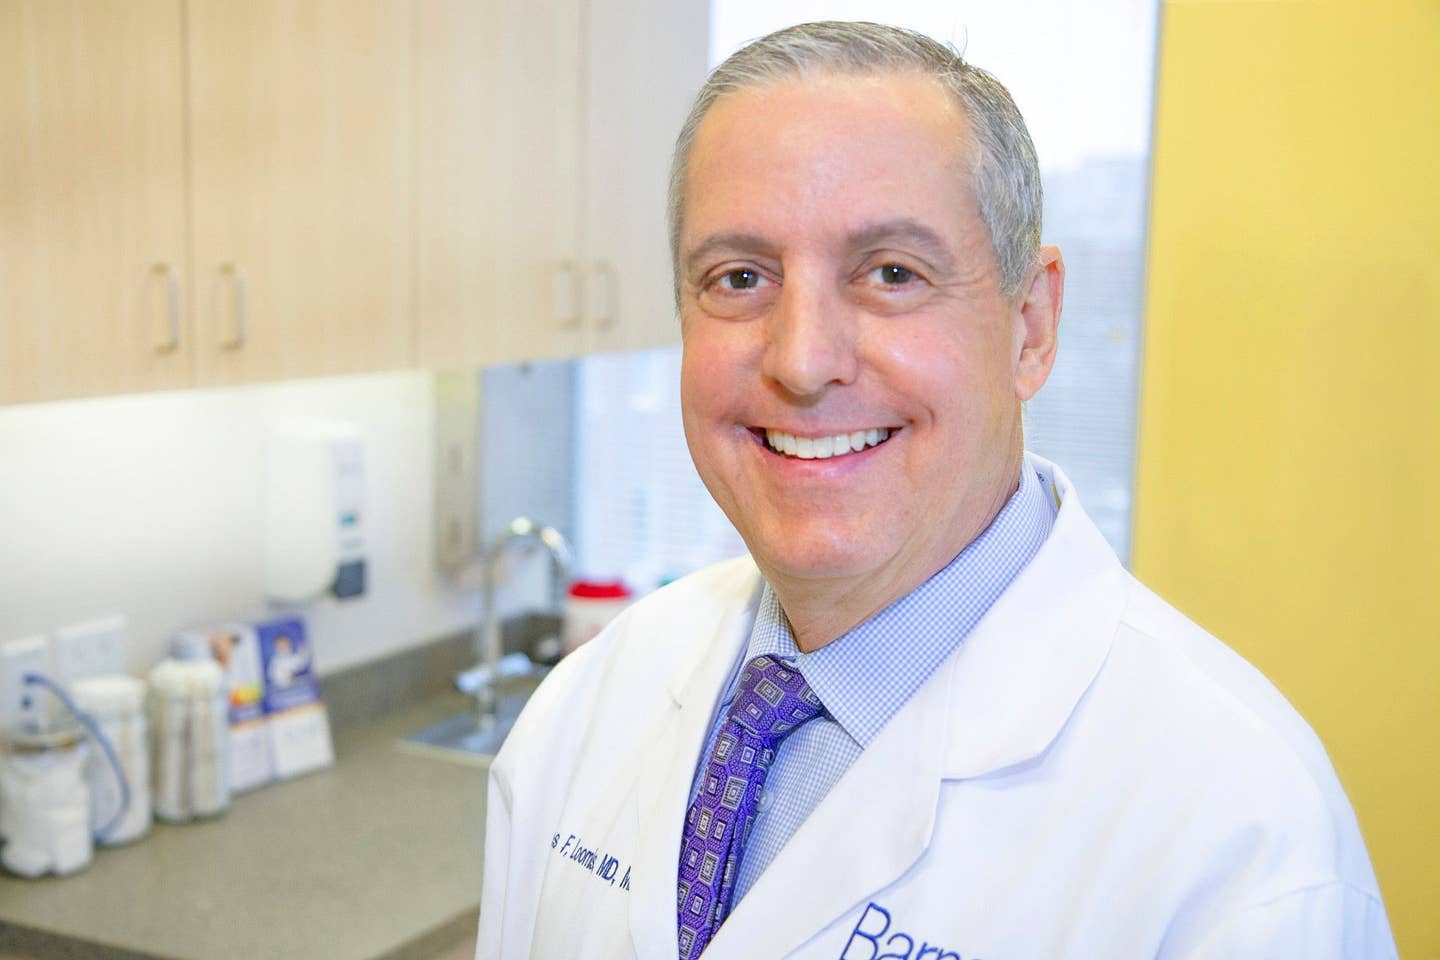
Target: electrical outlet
{"x":91,"y":649}
{"x":22,"y":706}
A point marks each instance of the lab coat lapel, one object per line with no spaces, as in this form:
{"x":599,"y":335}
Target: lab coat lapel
{"x":662,"y":790}
{"x":875,"y":822}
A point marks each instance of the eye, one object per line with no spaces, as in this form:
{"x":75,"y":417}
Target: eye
{"x":736,"y":289}
{"x":740,"y":278}
{"x":893,"y":275}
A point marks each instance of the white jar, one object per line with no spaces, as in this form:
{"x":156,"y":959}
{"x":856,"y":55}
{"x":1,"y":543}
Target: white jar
{"x":190,"y":728}
{"x":589,"y":606}
{"x":47,"y":804}
{"x":115,"y":704}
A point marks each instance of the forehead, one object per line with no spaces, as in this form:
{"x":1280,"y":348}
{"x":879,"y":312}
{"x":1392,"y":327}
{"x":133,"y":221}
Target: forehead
{"x":821,"y":154}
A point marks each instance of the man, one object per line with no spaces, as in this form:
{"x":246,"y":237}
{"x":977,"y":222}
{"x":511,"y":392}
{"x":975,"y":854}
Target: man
{"x":930,"y":716}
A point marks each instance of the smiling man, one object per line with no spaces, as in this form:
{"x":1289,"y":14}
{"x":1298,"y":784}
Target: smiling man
{"x":836,"y":278}
{"x":930,"y":715}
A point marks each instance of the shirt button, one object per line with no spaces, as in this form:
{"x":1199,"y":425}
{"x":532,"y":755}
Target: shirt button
{"x":765,"y":801}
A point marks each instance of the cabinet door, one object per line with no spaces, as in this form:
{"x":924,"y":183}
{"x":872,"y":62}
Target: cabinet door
{"x":497,"y":157}
{"x":647,"y":58}
{"x":92,"y":204}
{"x":300,"y":146}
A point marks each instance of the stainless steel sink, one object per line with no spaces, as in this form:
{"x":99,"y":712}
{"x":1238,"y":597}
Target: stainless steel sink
{"x":465,"y":738}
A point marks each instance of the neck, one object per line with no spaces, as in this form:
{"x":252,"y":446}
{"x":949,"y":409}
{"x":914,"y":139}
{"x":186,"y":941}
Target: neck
{"x":822,"y":609}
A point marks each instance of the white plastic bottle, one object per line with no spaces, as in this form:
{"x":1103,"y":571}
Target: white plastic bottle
{"x":169,"y":724}
{"x":209,"y":738}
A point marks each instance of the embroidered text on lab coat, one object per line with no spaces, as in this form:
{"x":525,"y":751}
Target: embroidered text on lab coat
{"x":605,"y":867}
{"x":872,"y":935}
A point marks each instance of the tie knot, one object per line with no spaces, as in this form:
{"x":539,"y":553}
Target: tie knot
{"x":773,"y":699}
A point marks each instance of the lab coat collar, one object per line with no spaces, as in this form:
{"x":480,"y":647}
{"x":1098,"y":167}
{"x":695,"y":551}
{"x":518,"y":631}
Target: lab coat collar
{"x":1000,"y":700}
{"x":1019,"y":675}
{"x":720,"y":616}
{"x":701,"y":673}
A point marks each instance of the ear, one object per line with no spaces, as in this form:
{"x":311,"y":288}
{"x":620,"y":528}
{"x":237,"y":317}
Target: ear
{"x":1037,"y":322}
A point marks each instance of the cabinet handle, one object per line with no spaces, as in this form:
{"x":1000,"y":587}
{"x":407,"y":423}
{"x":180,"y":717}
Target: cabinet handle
{"x":565,"y":295}
{"x":172,"y":301}
{"x":237,"y":288}
{"x":603,"y":303}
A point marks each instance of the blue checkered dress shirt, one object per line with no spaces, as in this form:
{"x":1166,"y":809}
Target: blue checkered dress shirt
{"x":865,"y":676}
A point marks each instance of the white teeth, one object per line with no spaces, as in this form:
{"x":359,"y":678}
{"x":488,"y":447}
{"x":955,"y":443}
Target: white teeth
{"x":822,"y":448}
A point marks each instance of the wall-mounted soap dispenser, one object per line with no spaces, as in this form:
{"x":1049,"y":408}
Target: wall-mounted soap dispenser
{"x":314,"y":511}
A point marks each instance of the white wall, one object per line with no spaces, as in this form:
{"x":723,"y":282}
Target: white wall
{"x":150,"y":506}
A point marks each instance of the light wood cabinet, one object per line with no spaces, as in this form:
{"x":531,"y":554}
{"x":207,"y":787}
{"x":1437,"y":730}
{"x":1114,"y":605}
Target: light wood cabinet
{"x":543,"y":149}
{"x":203,"y":192}
{"x":93,"y":254}
{"x":301,"y":173}
{"x":497,"y":140}
{"x":248,"y":218}
{"x":647,"y":58}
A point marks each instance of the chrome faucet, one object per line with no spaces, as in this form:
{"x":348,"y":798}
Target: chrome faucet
{"x":483,"y":680}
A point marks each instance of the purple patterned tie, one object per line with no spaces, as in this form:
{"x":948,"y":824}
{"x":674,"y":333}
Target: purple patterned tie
{"x":772,"y":701}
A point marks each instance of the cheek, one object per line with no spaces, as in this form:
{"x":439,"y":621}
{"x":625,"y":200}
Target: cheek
{"x":714,"y":368}
{"x":706,"y":386}
{"x":959,"y":387}
{"x":697,"y":370}
{"x":692,"y":412}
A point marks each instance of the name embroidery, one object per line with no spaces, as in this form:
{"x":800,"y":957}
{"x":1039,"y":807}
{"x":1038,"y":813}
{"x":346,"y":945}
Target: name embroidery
{"x":603,"y":866}
{"x":872,"y":933}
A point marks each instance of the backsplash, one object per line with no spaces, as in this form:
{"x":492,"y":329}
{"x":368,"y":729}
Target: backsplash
{"x":151,"y":506}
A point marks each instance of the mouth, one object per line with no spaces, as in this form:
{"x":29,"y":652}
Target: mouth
{"x":822,"y":448}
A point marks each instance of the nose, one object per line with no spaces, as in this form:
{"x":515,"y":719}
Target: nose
{"x":811,"y":339}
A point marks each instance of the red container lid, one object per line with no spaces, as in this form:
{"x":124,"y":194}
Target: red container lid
{"x":599,"y":590}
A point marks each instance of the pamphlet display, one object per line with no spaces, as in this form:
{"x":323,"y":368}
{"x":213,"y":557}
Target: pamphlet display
{"x":278,"y":724}
{"x":298,"y":725}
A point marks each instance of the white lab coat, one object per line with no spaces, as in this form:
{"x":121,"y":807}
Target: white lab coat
{"x":1088,"y":776}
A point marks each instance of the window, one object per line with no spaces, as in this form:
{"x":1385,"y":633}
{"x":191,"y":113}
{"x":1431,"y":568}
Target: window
{"x":1082,"y":73}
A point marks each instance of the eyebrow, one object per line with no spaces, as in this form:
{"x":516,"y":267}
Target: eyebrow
{"x":910,"y":232}
{"x":903,"y":230}
{"x":736,"y":240}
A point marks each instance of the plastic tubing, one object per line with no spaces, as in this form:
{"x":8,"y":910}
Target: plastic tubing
{"x":88,"y":722}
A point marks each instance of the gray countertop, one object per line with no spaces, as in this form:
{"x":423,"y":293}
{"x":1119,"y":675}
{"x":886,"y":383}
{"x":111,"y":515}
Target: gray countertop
{"x":379,"y":857}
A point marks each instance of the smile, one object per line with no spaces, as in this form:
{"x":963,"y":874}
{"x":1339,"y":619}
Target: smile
{"x":823,"y":448}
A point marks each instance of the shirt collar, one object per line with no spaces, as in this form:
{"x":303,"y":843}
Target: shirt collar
{"x":867,"y":674}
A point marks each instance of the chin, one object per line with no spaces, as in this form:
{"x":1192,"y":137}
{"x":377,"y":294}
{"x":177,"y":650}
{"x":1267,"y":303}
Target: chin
{"x":803,"y":555}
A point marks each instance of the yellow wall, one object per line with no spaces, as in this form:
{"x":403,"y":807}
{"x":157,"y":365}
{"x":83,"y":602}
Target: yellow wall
{"x":1288,"y":490}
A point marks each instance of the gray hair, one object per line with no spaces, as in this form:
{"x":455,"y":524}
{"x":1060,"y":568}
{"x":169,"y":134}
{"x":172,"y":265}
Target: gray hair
{"x":1005,"y":175}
